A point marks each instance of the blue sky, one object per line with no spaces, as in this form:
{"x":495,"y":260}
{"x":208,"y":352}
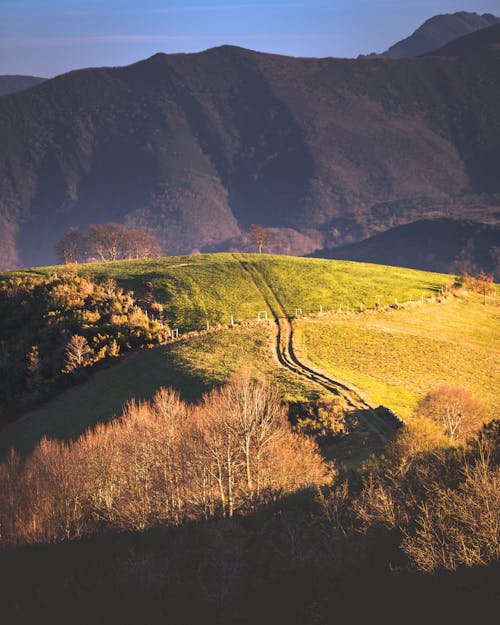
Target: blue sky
{"x":48,"y":37}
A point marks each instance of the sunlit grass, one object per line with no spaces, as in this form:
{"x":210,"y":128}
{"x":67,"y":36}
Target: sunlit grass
{"x":394,"y":357}
{"x":213,"y":287}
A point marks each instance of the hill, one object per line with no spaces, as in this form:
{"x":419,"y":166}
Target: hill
{"x":213,"y":287}
{"x":15,"y":83}
{"x":438,"y":31}
{"x":199,"y":362}
{"x":197,"y":147}
{"x":445,"y":245}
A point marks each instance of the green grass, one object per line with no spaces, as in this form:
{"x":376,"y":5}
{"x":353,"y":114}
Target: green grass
{"x":193,"y":366}
{"x":394,"y":357}
{"x":212,"y":287}
{"x":311,"y":283}
{"x":194,"y":289}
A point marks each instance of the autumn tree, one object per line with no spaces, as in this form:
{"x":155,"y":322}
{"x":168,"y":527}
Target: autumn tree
{"x":454,"y":409}
{"x":113,"y":242}
{"x":71,"y":246}
{"x":107,"y":241}
{"x":259,"y":235}
{"x":141,"y":244}
{"x":162,"y":462}
{"x":484,"y":284}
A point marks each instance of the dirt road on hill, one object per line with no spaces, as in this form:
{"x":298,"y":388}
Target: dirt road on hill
{"x":380,"y":421}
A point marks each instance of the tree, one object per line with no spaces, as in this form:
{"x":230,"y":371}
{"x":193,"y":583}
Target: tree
{"x":107,"y":241}
{"x":78,"y":353}
{"x":70,"y":247}
{"x":454,"y":409}
{"x":484,"y":285}
{"x":33,"y":368}
{"x":141,"y":244}
{"x":259,"y":235}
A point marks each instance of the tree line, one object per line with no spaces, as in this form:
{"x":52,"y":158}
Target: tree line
{"x":105,"y":242}
{"x":434,"y":496}
{"x":163,"y":462}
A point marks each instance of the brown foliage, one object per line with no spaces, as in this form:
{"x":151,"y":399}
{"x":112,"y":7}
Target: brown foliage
{"x":454,"y":409}
{"x":482,"y":283}
{"x":459,"y":527}
{"x":162,"y":462}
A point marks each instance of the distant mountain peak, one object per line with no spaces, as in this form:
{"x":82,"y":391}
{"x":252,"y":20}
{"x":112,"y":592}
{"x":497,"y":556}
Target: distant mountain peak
{"x":438,"y":31}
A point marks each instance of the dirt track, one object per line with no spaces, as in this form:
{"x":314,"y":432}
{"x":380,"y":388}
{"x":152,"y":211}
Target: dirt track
{"x":380,"y":421}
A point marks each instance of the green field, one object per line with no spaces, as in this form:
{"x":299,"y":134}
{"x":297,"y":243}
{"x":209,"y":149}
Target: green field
{"x":212,"y":287}
{"x":394,"y":357}
{"x":200,"y":288}
{"x":193,"y":366}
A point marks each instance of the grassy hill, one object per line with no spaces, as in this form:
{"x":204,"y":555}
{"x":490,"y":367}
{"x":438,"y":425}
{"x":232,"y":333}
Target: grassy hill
{"x":394,"y":357}
{"x":212,"y":287}
{"x":194,"y":289}
{"x":193,"y":366}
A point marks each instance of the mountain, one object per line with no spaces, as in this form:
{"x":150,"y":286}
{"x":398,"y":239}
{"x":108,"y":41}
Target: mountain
{"x":13,"y":84}
{"x":443,"y":245}
{"x":438,"y":31}
{"x":197,"y":147}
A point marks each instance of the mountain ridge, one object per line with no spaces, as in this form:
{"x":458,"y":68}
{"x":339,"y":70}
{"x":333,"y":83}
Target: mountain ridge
{"x":439,"y":31}
{"x":197,"y":147}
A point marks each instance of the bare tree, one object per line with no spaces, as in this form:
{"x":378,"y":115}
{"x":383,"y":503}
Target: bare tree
{"x":259,"y":235}
{"x":485,"y":285}
{"x":78,"y":353}
{"x":141,"y":244}
{"x":454,"y":409}
{"x":107,"y":241}
{"x":70,"y":247}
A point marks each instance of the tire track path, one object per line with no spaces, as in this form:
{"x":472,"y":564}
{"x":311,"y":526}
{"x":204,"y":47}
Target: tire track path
{"x":370,"y":417}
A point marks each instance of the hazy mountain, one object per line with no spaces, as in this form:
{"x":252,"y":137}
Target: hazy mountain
{"x":196,"y":147}
{"x":443,"y":245}
{"x":438,"y":31}
{"x":13,"y":84}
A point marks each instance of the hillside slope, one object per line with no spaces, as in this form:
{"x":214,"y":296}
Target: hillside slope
{"x":193,"y":291}
{"x":196,"y":147}
{"x":444,"y":245}
{"x":15,"y":83}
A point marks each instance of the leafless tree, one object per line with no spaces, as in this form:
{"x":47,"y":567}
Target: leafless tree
{"x":454,"y":409}
{"x":259,"y":235}
{"x":69,"y":249}
{"x":78,"y":353}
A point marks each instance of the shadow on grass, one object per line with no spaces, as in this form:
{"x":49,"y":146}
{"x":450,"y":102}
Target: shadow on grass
{"x":101,"y":396}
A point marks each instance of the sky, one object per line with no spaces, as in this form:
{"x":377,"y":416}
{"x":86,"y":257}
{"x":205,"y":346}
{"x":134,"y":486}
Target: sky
{"x":49,"y":37}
